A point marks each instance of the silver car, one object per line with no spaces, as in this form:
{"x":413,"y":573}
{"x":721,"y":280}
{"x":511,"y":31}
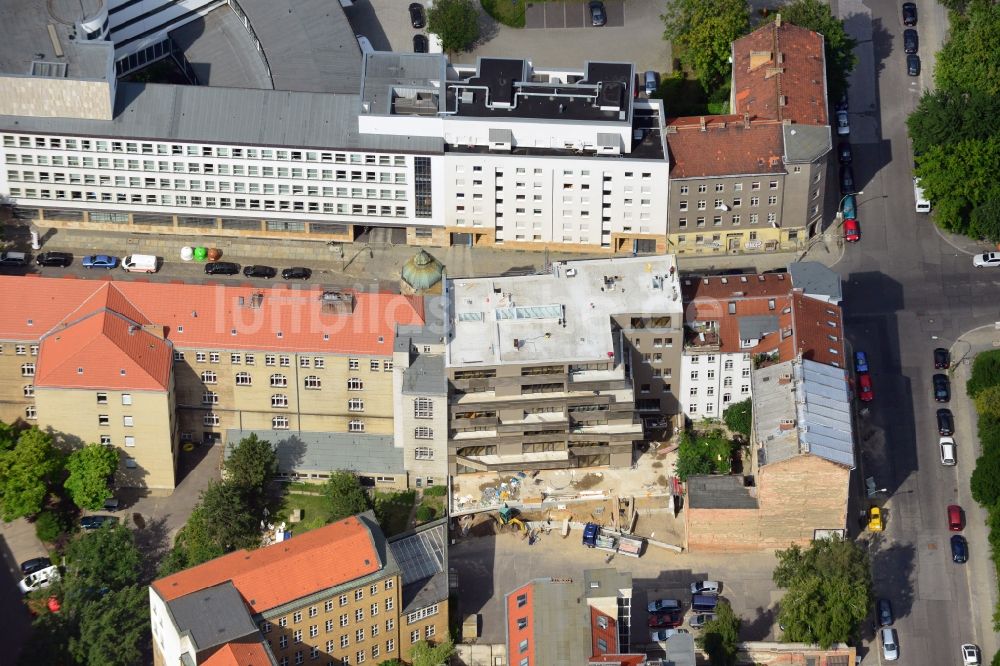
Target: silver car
{"x":843,"y":124}
{"x":890,"y":648}
{"x":700,"y":620}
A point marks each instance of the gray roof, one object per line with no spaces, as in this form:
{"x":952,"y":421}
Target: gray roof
{"x":422,"y":555}
{"x":213,"y":616}
{"x":774,"y":403}
{"x":425,"y":376}
{"x":220,"y":51}
{"x":309,"y":44}
{"x":680,"y":651}
{"x":755,"y":327}
{"x":806,"y":143}
{"x":561,"y":622}
{"x":816,"y":280}
{"x":389,"y":75}
{"x":229,"y":115}
{"x":719,"y":492}
{"x":600,"y":583}
{"x":823,"y":405}
{"x":328,"y":451}
{"x":431,"y":332}
{"x":26,"y":36}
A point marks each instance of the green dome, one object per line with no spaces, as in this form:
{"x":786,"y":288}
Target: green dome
{"x":422,"y":271}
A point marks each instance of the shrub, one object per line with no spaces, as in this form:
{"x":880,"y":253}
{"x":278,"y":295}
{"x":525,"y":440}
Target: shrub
{"x":738,"y":417}
{"x":436,"y":491}
{"x":425,"y":513}
{"x":989,"y":434}
{"x":985,"y":372}
{"x":985,"y":481}
{"x":50,"y":525}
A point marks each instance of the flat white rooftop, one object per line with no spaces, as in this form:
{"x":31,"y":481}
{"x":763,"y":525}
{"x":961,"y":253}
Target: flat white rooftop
{"x":561,"y":317}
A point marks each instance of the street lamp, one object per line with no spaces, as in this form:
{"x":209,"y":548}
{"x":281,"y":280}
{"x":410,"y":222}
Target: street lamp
{"x":843,"y":198}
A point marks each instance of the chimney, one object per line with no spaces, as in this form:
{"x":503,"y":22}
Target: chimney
{"x":701,"y":122}
{"x":786,"y":425}
{"x":746,"y":120}
{"x":777,"y":20}
{"x":784,"y":379}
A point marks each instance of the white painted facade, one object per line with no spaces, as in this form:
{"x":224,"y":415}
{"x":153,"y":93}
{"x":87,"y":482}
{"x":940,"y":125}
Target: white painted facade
{"x":711,"y":381}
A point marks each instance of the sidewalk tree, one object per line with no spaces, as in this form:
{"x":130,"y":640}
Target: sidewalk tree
{"x":828,"y":591}
{"x":701,"y":32}
{"x":944,"y":117}
{"x":720,"y":638}
{"x":984,"y":221}
{"x":344,"y":495}
{"x":985,"y":480}
{"x":959,"y":177}
{"x":26,"y":472}
{"x":739,"y":418}
{"x":985,"y":372}
{"x":455,"y":22}
{"x":969,"y":59}
{"x":113,"y":629}
{"x":988,"y":402}
{"x":90,"y":469}
{"x":195,"y":544}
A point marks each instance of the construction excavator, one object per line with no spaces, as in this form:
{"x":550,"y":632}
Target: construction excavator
{"x":508,"y":516}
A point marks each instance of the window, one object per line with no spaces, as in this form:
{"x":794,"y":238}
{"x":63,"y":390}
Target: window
{"x":270,"y":360}
{"x":297,"y":635}
{"x":243,"y":379}
{"x":213,"y":357}
{"x":373,"y":611}
{"x":345,"y":620}
{"x":389,"y":604}
{"x":694,"y":375}
{"x":343,"y":600}
{"x":429,"y":631}
{"x":209,"y":398}
{"x":414,"y":635}
{"x":522,"y":600}
{"x":355,"y":384}
{"x":390,"y":645}
{"x":20,"y":350}
{"x":128,"y":421}
{"x":423,"y":453}
{"x":102,"y":398}
{"x":279,"y":400}
{"x":235,"y":359}
{"x":423,"y":408}
{"x":304,"y":361}
{"x":200,"y":357}
{"x":279,"y":423}
{"x":312,"y":382}
{"x":30,"y":412}
{"x":296,"y":617}
{"x":345,"y":640}
{"x":355,"y":405}
{"x":29,"y":390}
{"x":423,"y":432}
{"x":355,"y":425}
{"x":523,"y":646}
{"x":319,"y":362}
{"x":386,"y":366}
{"x":353,"y":364}
{"x":178,"y":356}
{"x":209,"y":377}
{"x":28,"y":370}
{"x":278,"y":381}
{"x":359,"y":614}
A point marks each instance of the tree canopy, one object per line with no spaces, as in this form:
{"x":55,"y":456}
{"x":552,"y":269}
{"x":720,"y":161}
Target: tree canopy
{"x":252,"y":465}
{"x":26,"y":472}
{"x":455,"y":22}
{"x":720,"y":637}
{"x":425,"y":653}
{"x":104,"y":558}
{"x":344,"y":495}
{"x":114,"y":630}
{"x":195,"y":544}
{"x":944,"y":117}
{"x":969,"y":59}
{"x":233,"y":523}
{"x":90,"y":469}
{"x":703,"y":453}
{"x":701,"y":32}
{"x":828,"y":591}
{"x":958,"y":177}
{"x":739,"y":417}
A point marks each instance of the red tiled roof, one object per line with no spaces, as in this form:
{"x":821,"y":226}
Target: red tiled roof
{"x":723,"y":288}
{"x":779,"y":61}
{"x":205,"y":316}
{"x":239,"y":654}
{"x":274,"y":575}
{"x":813,"y":331}
{"x":726,"y":147}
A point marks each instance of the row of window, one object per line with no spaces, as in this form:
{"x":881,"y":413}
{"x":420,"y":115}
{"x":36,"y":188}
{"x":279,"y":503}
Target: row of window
{"x":460,"y":168}
{"x":279,"y":381}
{"x":344,"y":660}
{"x":726,"y":397}
{"x":710,"y":374}
{"x":716,"y":239}
{"x":281,"y":360}
{"x":735,"y":220}
{"x":737,"y":187}
{"x":280,"y":400}
{"x":282,"y":423}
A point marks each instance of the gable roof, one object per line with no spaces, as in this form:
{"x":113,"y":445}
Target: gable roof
{"x":277,"y":574}
{"x":240,"y":654}
{"x":212,"y":617}
{"x":725,"y":147}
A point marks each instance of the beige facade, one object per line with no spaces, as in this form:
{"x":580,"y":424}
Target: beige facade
{"x":18,"y":359}
{"x":52,"y":97}
{"x":428,"y":623}
{"x":420,"y":397}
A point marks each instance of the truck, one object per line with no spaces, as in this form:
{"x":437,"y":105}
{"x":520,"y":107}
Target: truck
{"x":140,"y":263}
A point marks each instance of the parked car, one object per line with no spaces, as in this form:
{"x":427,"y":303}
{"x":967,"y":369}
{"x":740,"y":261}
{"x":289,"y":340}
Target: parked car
{"x":942,"y":388}
{"x":700,"y":620}
{"x":34,"y":564}
{"x":913,"y":65}
{"x":909,"y":14}
{"x":860,"y":362}
{"x":666,"y":620}
{"x":847,"y":180}
{"x":884,"y":609}
{"x":876,"y":521}
{"x":296,"y":273}
{"x":955,"y":518}
{"x":959,"y":549}
{"x":865,"y":391}
{"x":849,"y":208}
{"x":842,"y":102}
{"x":417,"y":18}
{"x":39,"y":579}
{"x":598,"y":16}
{"x":941,"y":360}
{"x":663,"y":606}
{"x":988,"y":259}
{"x":708,"y":587}
{"x":947,"y":445}
{"x":945,"y":422}
{"x":99,"y":261}
{"x":664,"y":634}
{"x":651,"y":83}
{"x":911,"y":43}
{"x":843,"y":124}
{"x":852,"y":231}
{"x":13,"y":259}
{"x":890,"y":648}
{"x":221,"y":268}
{"x":420,"y":43}
{"x":970,"y":655}
{"x":57,"y":259}
{"x":258,"y":271}
{"x":844,"y":153}
{"x":97,"y":522}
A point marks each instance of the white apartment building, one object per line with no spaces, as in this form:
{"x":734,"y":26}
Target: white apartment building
{"x":712,"y":381}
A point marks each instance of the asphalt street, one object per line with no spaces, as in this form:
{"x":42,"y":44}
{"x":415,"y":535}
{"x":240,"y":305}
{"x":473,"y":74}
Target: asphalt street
{"x":907,"y":290}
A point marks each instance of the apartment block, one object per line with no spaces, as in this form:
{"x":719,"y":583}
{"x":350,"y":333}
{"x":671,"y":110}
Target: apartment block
{"x":561,"y":370}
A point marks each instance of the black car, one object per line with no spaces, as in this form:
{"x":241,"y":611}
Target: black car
{"x":420,"y":43}
{"x":946,"y":423}
{"x":29,"y":567}
{"x":911,"y":43}
{"x":417,"y":19}
{"x":913,"y":65}
{"x":844,"y":153}
{"x":909,"y":14}
{"x":959,"y":549}
{"x":597,"y":14}
{"x":885,"y":617}
{"x":296,"y":273}
{"x":942,"y":388}
{"x":97,"y":522}
{"x":847,"y":180}
{"x":13,"y":259}
{"x":842,"y":104}
{"x":941,"y":360}
{"x":256,"y":271}
{"x":221,"y":268}
{"x":60,"y":259}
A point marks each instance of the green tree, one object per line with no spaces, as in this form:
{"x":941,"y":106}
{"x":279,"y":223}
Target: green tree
{"x":701,"y":32}
{"x":455,"y":22}
{"x":26,"y":473}
{"x":425,"y":653}
{"x":988,"y":402}
{"x":969,"y":59}
{"x":114,"y":629}
{"x":8,"y":437}
{"x":251,"y":466}
{"x":48,"y":640}
{"x":344,"y":495}
{"x":232,"y":522}
{"x":985,"y":481}
{"x":104,"y":558}
{"x":944,"y":117}
{"x":50,"y":525}
{"x":984,"y":221}
{"x":959,"y":177}
{"x":90,"y":468}
{"x":838,"y":45}
{"x":989,"y":435}
{"x":692,"y":460}
{"x":738,"y":417}
{"x":985,"y":372}
{"x":195,"y":543}
{"x":828,"y":591}
{"x":720,"y":638}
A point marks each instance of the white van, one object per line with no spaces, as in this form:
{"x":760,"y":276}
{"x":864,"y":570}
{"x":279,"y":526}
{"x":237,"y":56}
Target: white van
{"x":923,"y":205}
{"x":139,"y":263}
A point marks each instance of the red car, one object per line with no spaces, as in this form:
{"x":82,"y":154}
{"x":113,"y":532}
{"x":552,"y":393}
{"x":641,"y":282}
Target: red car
{"x":955,"y":518}
{"x":668,"y":620}
{"x":852,"y":231}
{"x":865,"y":392}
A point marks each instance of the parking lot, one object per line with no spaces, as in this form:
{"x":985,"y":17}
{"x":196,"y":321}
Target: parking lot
{"x":558,"y":34}
{"x":490,"y":567}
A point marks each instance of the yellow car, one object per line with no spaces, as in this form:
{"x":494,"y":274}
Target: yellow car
{"x":875,"y":521}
